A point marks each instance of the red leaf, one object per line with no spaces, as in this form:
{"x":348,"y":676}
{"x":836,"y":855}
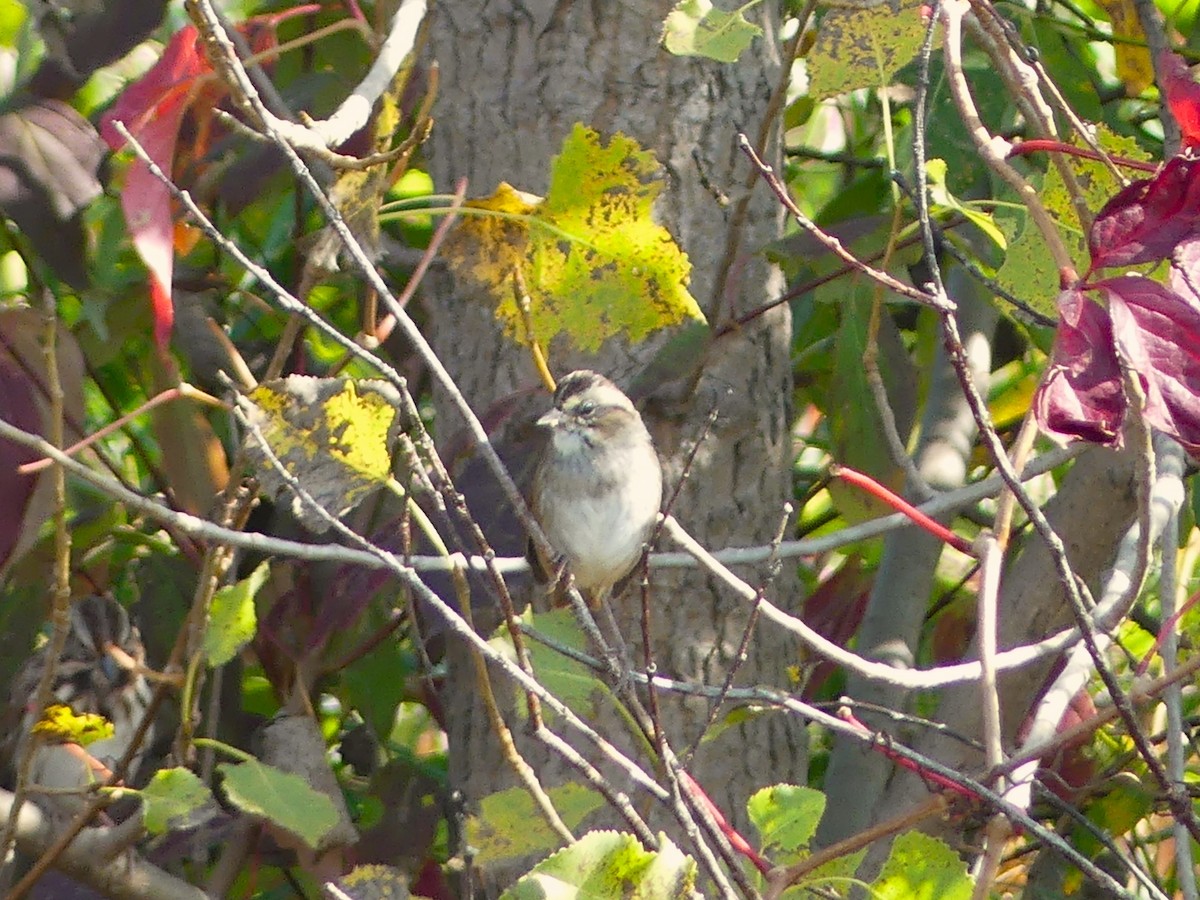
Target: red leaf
{"x":152,"y":108}
{"x":1145,"y":220}
{"x":1182,"y":94}
{"x":1159,"y":335}
{"x":1081,"y":395}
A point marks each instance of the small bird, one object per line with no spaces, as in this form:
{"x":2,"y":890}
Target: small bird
{"x":598,"y":486}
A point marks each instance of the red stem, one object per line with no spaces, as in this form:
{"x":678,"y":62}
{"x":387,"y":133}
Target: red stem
{"x":735,"y":840}
{"x":898,"y":503}
{"x":1048,"y":146}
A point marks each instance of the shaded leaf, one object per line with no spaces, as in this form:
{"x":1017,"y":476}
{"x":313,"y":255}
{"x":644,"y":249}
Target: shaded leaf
{"x":1158,"y":333}
{"x":1081,"y":394}
{"x":609,"y":864}
{"x":334,"y":435}
{"x":28,"y":500}
{"x":49,"y":158}
{"x":374,"y":882}
{"x":940,"y":194}
{"x":863,"y":47}
{"x":568,"y":679}
{"x":510,"y":825}
{"x":153,"y":109}
{"x":176,"y":799}
{"x":231,"y":618}
{"x":284,"y":799}
{"x":697,"y":28}
{"x":920,"y":866}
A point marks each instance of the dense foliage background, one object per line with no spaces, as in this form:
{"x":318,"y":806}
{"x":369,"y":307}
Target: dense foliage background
{"x":845,"y":257}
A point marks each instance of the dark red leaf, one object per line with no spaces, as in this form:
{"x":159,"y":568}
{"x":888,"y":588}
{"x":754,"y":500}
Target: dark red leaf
{"x":1182,"y":94}
{"x":1081,"y":396}
{"x":1145,"y":220}
{"x":49,"y":156}
{"x":1159,"y":336}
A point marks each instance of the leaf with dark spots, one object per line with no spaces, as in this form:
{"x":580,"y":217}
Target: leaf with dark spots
{"x":1158,"y":333}
{"x":1081,"y":395}
{"x":1182,"y":94}
{"x":49,"y":157}
{"x":1145,"y":220}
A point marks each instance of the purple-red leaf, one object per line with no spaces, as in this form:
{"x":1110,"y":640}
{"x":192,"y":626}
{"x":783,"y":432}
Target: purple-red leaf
{"x":1081,"y":395}
{"x":1145,"y":220}
{"x":1158,"y":333}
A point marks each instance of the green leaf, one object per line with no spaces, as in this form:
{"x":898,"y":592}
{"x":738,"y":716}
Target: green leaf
{"x":863,"y":47}
{"x":231,"y":618}
{"x":696,"y":28}
{"x":510,"y":825}
{"x":281,"y":797}
{"x":786,"y":815}
{"x":940,"y":194}
{"x":175,"y":799}
{"x":595,"y":263}
{"x":571,"y":681}
{"x":609,"y":864}
{"x":922,"y":868}
{"x":333,"y":435}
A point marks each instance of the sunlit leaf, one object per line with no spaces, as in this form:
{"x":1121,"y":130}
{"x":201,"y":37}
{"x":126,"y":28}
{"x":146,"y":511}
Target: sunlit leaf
{"x":863,"y":47}
{"x":922,"y":867}
{"x":697,"y":28}
{"x":60,"y":723}
{"x":333,"y":435}
{"x":786,"y":815}
{"x":609,"y":864}
{"x":595,"y":263}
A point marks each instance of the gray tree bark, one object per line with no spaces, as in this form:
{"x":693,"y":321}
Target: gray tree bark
{"x":515,"y":78}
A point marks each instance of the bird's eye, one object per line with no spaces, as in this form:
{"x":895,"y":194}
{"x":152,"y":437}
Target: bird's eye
{"x":585,"y":408}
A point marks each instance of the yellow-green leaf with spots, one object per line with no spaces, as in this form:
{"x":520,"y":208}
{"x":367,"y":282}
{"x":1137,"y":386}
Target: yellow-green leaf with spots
{"x":863,"y":47}
{"x":332,"y":436}
{"x":595,"y":263}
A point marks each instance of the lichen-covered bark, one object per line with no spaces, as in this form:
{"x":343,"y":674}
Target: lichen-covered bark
{"x":515,"y":78}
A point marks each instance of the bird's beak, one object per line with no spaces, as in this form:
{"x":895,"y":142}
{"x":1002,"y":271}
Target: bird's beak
{"x":551,"y":418}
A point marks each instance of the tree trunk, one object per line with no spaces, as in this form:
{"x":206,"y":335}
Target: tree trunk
{"x":514,"y":81}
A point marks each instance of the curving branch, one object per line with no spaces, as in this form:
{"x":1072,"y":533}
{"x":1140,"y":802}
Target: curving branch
{"x":98,"y":857}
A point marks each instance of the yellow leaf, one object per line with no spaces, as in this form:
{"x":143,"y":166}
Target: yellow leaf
{"x":1134,"y":66}
{"x":594,"y":261}
{"x":59,"y":723}
{"x":334,"y":435}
